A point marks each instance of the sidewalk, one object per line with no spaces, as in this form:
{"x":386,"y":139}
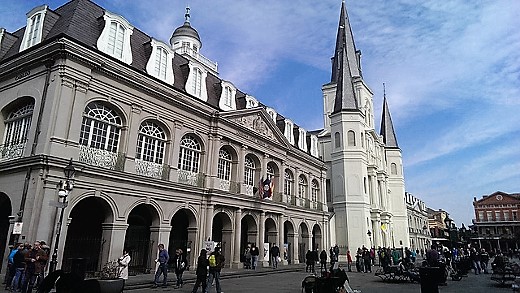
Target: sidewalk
{"x":146,"y":280}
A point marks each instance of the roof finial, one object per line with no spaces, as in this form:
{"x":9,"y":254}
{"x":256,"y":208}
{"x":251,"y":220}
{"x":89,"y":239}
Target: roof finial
{"x":187,"y":15}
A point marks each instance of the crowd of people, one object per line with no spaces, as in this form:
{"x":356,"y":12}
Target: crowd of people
{"x":26,"y":266}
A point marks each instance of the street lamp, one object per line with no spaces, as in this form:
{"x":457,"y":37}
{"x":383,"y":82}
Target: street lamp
{"x":370,"y":237}
{"x":64,"y":189}
{"x":447,"y":222}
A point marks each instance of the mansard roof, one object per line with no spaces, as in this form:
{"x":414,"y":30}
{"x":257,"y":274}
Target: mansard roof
{"x":82,"y":21}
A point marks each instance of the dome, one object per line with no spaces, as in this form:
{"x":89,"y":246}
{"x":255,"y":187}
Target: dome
{"x":186,"y":31}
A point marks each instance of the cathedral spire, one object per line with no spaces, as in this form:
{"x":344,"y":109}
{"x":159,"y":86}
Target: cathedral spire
{"x":345,"y":65}
{"x":387,"y":127}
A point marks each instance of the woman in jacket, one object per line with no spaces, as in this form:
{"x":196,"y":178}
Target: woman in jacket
{"x":123,"y":262}
{"x":201,"y":272}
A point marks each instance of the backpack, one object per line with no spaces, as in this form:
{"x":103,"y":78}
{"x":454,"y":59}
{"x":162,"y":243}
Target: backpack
{"x":212,"y":261}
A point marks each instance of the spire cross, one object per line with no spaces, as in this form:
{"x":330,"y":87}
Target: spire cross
{"x":187,"y":15}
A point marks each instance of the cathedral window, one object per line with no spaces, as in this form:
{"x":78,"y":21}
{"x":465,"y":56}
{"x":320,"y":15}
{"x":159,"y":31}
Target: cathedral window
{"x":189,"y":157}
{"x":151,"y":142}
{"x":351,"y":138}
{"x":224,"y":165}
{"x":393,"y":169}
{"x":115,"y":37}
{"x":337,"y":140}
{"x":101,"y":128}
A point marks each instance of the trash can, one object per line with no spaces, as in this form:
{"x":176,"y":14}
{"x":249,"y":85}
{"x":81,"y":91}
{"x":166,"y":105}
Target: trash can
{"x":429,"y":279}
{"x":78,"y":267}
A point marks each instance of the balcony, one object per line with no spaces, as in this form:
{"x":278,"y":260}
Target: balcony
{"x":197,"y":56}
{"x":248,"y":189}
{"x":12,"y":151}
{"x":230,"y":186}
{"x":151,"y":169}
{"x":102,"y":158}
{"x":191,"y":178}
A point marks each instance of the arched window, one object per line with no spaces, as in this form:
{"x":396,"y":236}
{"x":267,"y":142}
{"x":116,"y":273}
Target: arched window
{"x":116,"y":36}
{"x":249,"y":171}
{"x":315,"y":190}
{"x":189,"y":157}
{"x":227,"y":96}
{"x":270,"y":172}
{"x":17,"y":125}
{"x":288,"y":183}
{"x":393,"y":169}
{"x":151,"y":143}
{"x":351,"y":138}
{"x":101,"y":128}
{"x":337,"y":140}
{"x":224,"y":165}
{"x":302,"y":186}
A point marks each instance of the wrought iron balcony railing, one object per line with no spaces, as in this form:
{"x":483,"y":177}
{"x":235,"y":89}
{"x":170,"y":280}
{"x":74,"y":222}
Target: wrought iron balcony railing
{"x":151,"y":169}
{"x":102,"y":158}
{"x":191,"y":178}
{"x":12,"y":150}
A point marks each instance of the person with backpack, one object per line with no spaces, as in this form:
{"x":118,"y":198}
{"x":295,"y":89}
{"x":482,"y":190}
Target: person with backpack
{"x":201,"y":272}
{"x":216,"y":262}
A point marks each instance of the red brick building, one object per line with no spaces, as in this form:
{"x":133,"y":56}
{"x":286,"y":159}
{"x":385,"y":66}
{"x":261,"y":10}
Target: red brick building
{"x":497,"y":222}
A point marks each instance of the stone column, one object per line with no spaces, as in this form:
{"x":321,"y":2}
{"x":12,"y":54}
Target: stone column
{"x":294,"y":250}
{"x":237,"y":234}
{"x":131,"y":139}
{"x":261,"y":240}
{"x":113,"y":239}
{"x":241,"y":168}
{"x":208,"y":230}
{"x":174,"y":152}
{"x":158,"y":235}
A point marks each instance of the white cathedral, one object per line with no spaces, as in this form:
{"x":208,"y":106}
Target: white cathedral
{"x":365,"y":170}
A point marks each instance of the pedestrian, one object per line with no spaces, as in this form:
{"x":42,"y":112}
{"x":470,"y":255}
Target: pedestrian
{"x":11,"y":271}
{"x":201,"y":272}
{"x":275,"y":254}
{"x":179,"y":261}
{"x":309,"y":261}
{"x":35,"y":261}
{"x":123,"y":262}
{"x":19,"y":267}
{"x":323,"y":261}
{"x":254,"y":256}
{"x":247,"y":255}
{"x":162,"y":260}
{"x":484,"y":260}
{"x":216,"y":263}
{"x":349,"y":261}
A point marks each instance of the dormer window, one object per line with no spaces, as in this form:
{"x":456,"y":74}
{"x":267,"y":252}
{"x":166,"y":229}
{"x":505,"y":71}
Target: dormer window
{"x":302,"y":139}
{"x":196,"y":84}
{"x":272,"y":113}
{"x":34,"y":28}
{"x":115,"y":37}
{"x":251,"y":102}
{"x":314,"y":146}
{"x":160,"y":63}
{"x":227,"y":98}
{"x":288,"y":131}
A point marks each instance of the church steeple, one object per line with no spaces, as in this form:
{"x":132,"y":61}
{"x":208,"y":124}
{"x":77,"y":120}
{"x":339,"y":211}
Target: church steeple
{"x":345,"y":65}
{"x":387,"y":127}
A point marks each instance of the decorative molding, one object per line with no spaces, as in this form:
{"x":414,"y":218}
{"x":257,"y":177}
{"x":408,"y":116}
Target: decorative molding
{"x":257,"y":124}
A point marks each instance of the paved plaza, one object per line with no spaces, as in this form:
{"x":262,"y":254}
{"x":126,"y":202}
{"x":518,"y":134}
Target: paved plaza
{"x":288,"y":279}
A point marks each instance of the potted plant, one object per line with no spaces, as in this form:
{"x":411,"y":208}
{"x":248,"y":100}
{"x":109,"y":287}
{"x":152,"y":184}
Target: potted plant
{"x":109,"y":281}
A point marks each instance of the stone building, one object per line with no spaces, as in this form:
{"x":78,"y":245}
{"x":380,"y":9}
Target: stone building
{"x":365,"y":169}
{"x":417,"y":223}
{"x":496,"y":222}
{"x":165,"y":151}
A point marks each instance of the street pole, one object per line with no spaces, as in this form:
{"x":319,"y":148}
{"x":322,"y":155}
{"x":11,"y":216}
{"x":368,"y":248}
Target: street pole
{"x":54,"y":261}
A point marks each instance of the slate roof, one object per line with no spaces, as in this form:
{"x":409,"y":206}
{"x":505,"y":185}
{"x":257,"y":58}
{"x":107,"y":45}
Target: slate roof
{"x":82,"y":20}
{"x":387,"y":127}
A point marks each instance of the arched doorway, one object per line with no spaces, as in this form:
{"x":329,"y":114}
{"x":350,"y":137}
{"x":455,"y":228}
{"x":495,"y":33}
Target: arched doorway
{"x":248,"y":234}
{"x":303,"y":242}
{"x":288,"y":241}
{"x":221,"y":234}
{"x":183,"y":234}
{"x":316,"y":238}
{"x":5,"y":212}
{"x":137,"y":238}
{"x":84,"y":234}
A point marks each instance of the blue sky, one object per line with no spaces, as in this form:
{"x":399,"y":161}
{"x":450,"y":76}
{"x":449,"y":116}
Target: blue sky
{"x":451,"y":68}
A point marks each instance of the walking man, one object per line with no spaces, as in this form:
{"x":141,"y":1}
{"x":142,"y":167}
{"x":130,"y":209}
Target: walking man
{"x":275,"y":253}
{"x":216,"y":262}
{"x":162,"y":259}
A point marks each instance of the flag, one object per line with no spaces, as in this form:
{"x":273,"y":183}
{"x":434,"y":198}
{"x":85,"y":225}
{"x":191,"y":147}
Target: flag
{"x":261,"y":188}
{"x":267,"y":188}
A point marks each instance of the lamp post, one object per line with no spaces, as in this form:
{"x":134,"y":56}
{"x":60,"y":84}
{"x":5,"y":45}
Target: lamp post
{"x":65,"y":187}
{"x":370,"y":237}
{"x":448,"y":222}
